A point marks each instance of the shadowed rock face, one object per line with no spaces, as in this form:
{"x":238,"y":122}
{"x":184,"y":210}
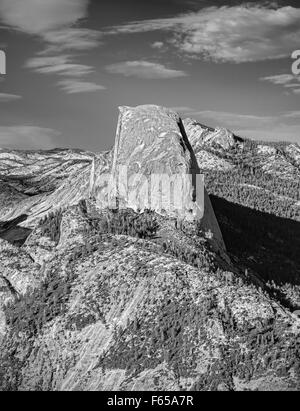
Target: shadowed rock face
{"x":152,"y":141}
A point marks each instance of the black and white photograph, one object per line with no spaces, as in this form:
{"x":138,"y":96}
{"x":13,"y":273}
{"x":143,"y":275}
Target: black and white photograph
{"x":149,"y":198}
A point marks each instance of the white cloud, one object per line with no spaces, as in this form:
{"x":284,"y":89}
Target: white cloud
{"x":76,"y":70}
{"x":74,"y":87}
{"x":53,"y":21}
{"x":238,"y":34}
{"x":60,"y":65}
{"x":157,"y":45}
{"x":72,"y":39}
{"x":145,"y":70}
{"x":292,"y":114}
{"x":27,"y":137}
{"x":291,"y":85}
{"x":286,"y":80}
{"x":280,"y":79}
{"x":7,"y":98}
{"x":40,"y":16}
{"x":38,"y":62}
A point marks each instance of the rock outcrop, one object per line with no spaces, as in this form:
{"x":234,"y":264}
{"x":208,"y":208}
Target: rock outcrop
{"x":152,"y":148}
{"x":37,"y":183}
{"x":201,"y":136}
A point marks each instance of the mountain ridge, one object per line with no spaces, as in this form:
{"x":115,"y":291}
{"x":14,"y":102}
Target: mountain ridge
{"x":131,"y":298}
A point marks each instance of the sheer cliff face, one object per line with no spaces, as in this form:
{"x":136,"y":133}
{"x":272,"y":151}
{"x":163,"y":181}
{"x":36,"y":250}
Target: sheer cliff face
{"x":152,"y":147}
{"x":149,"y":144}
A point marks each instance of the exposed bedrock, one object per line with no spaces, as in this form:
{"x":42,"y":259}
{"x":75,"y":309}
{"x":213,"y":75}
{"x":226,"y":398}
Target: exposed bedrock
{"x":151,"y":144}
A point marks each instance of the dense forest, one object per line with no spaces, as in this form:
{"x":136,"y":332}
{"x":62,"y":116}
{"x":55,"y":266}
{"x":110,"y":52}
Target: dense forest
{"x":257,"y":190}
{"x":262,"y":181}
{"x":257,"y":204}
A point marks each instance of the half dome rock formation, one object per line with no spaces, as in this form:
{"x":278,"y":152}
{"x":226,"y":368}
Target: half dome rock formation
{"x":162,"y":170}
{"x":154,"y":167}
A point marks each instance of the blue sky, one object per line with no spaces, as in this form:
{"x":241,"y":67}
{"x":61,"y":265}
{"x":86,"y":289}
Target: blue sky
{"x":71,"y":63}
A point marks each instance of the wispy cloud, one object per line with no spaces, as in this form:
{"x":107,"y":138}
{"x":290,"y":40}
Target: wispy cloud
{"x":74,"y":86}
{"x":60,"y":65}
{"x":27,"y":137}
{"x":286,"y":80}
{"x":144,"y":70}
{"x":238,"y":34}
{"x":78,"y":39}
{"x":40,"y":16}
{"x":281,"y":79}
{"x":7,"y":98}
{"x":53,"y":21}
{"x":292,"y":114}
{"x":157,"y":45}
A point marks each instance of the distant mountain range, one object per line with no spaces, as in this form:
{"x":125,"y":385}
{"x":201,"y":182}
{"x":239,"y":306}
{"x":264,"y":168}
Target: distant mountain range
{"x":93,"y":298}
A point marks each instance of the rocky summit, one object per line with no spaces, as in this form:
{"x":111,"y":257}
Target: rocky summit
{"x":137,"y":296}
{"x":151,"y":141}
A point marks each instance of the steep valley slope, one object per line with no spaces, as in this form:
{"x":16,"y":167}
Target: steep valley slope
{"x":94,"y":298}
{"x":255,"y":191}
